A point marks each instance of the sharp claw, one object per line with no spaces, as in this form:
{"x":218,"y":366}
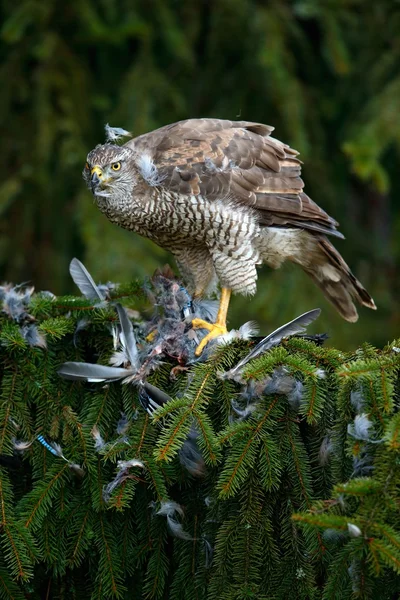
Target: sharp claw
{"x":201,"y":324}
{"x":215,"y":329}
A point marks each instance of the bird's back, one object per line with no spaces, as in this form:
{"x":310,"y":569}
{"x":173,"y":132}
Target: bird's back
{"x":235,"y":161}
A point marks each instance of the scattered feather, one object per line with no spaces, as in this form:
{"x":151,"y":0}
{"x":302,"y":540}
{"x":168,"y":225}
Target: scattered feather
{"x":107,"y":288}
{"x":149,"y":170}
{"x":56,"y":450}
{"x":46,"y":294}
{"x":170,"y":507}
{"x":114,"y":134}
{"x":226,"y":165}
{"x":300,"y":573}
{"x":123,"y":424}
{"x":295,"y":397}
{"x":14,"y":423}
{"x":248,"y":330}
{"x":243,"y":413}
{"x":294,"y":327}
{"x":123,"y":473}
{"x":79,"y":371}
{"x":245,"y":332}
{"x":354,"y":572}
{"x":357,"y":400}
{"x":353,"y":530}
{"x":33,"y":336}
{"x":361,"y":428}
{"x":187,"y":308}
{"x":170,"y":510}
{"x":280,"y":382}
{"x":99,"y":443}
{"x":15,"y":301}
{"x":48,"y":446}
{"x":21,"y":446}
{"x":190,"y":455}
{"x":149,"y":405}
{"x":333,"y":535}
{"x":115,"y":336}
{"x":325,"y":451}
{"x":127,"y":337}
{"x":362,"y":465}
{"x":158,"y":396}
{"x":77,"y":469}
{"x":119,"y":358}
{"x":128,"y":464}
{"x":84,"y":281}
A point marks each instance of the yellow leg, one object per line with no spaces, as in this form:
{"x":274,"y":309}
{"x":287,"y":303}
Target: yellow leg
{"x":219,"y":327}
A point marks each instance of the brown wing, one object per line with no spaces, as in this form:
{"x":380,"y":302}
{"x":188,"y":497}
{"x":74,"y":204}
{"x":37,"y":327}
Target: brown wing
{"x":237,"y":161}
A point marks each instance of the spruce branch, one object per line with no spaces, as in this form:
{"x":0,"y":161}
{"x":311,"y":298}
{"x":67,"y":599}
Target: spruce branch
{"x":388,"y":554}
{"x":35,"y":506}
{"x":109,"y":580}
{"x":9,"y":590}
{"x":299,"y":433}
{"x":17,"y":550}
{"x":242,"y":455}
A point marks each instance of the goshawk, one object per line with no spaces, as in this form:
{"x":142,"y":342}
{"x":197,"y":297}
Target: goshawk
{"x":223,"y":197}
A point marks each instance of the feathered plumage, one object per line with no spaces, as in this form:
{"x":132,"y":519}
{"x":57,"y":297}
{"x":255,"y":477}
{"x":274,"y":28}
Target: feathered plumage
{"x":223,"y":197}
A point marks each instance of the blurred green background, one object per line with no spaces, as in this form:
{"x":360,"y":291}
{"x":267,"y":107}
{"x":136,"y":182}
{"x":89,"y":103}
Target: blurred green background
{"x":326,"y":74}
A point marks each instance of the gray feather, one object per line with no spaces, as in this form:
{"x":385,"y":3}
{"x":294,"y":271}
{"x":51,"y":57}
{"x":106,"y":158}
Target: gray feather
{"x":156,"y":394}
{"x":78,"y":371}
{"x":84,"y":280}
{"x":294,"y":327}
{"x":113,"y":134}
{"x":169,"y":510}
{"x":128,"y":337}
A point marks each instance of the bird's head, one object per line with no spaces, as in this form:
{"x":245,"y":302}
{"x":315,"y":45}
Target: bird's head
{"x":108,"y":171}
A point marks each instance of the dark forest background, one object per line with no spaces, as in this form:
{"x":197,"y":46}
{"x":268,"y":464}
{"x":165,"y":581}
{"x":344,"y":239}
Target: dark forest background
{"x":326,"y":74}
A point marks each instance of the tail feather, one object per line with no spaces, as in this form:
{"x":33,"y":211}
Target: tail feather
{"x":330,"y":272}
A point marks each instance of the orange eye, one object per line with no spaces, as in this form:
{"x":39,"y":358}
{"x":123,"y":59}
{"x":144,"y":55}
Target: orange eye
{"x":116,"y":166}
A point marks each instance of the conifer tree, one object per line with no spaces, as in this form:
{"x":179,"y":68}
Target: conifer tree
{"x":164,"y":477}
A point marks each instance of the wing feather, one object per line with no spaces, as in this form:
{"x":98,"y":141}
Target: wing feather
{"x":238,"y":161}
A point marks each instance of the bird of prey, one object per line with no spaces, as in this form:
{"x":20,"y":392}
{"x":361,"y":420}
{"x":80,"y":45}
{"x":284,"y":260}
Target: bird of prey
{"x":223,"y":197}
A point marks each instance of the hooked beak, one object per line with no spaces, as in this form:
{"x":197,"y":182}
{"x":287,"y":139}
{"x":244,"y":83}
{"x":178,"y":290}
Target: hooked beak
{"x":96,"y":177}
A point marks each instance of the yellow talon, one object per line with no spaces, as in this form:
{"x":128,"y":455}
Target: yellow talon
{"x":216,"y":329}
